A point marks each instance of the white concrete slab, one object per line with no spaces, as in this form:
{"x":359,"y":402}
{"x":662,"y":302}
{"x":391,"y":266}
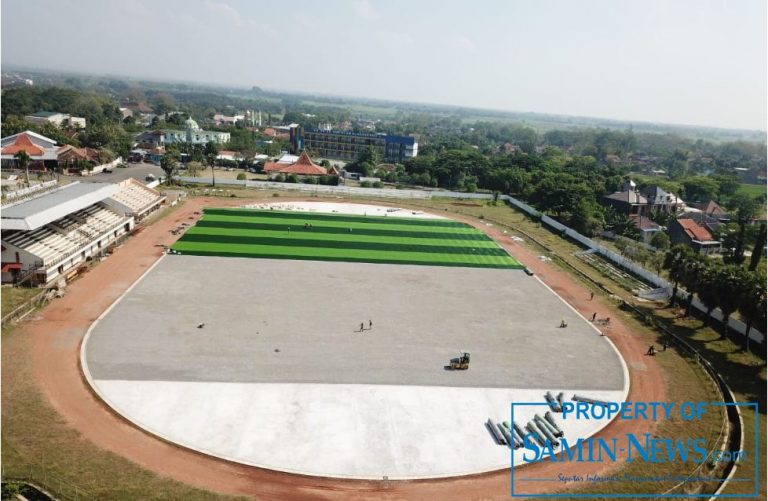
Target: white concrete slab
{"x":344,"y":208}
{"x":337,"y":430}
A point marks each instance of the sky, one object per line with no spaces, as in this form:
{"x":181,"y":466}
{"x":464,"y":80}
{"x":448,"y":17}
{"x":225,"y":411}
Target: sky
{"x":698,"y":62}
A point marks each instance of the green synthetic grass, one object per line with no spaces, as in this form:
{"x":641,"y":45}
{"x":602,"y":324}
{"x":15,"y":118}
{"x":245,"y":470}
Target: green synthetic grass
{"x":341,"y":237}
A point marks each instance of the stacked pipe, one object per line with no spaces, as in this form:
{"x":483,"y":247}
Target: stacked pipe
{"x":500,"y":438}
{"x":551,"y":420}
{"x":578,"y":398}
{"x":552,"y":402}
{"x":518,"y":441}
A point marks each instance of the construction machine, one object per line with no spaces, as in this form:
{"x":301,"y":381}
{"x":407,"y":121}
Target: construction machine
{"x":461,"y":363}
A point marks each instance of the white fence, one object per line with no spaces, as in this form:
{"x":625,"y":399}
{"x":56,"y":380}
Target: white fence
{"x":101,"y":168}
{"x":24,"y":192}
{"x":628,"y":265}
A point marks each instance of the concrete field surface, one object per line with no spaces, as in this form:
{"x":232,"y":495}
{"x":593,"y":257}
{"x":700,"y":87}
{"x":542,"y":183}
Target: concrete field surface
{"x":280,"y":375}
{"x":311,"y":312}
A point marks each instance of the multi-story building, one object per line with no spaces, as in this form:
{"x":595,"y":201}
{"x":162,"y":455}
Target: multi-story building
{"x":194,"y":134}
{"x":345,"y":145}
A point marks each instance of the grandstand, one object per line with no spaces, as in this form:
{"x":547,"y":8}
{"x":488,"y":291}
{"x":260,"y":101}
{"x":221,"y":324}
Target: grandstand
{"x":136,"y":199}
{"x":51,"y":236}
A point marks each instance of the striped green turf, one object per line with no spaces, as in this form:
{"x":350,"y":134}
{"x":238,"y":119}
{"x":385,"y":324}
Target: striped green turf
{"x":341,"y":237}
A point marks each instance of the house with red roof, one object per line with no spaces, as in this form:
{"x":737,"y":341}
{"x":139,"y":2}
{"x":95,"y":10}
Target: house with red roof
{"x":689,"y":232}
{"x":42,"y":150}
{"x":304,"y":166}
{"x":74,"y":160}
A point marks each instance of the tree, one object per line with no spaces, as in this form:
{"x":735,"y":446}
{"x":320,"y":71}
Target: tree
{"x":745,"y":211}
{"x":211,"y":151}
{"x":660,"y":240}
{"x":753,"y":305}
{"x":757,"y":250}
{"x":169,"y":164}
{"x":700,"y":189}
{"x":728,"y":289}
{"x":674,"y":263}
{"x":194,"y":168}
{"x":707,"y":290}
{"x":22,"y":158}
{"x":656,"y":260}
{"x":693,"y":267}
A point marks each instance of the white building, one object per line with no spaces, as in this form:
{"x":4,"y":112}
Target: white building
{"x":56,"y":118}
{"x":195,"y":135}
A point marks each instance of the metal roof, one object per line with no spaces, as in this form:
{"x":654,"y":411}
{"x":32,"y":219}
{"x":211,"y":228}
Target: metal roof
{"x":34,"y":213}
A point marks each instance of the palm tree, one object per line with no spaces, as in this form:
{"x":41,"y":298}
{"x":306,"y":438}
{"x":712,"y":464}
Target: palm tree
{"x":694,"y":265}
{"x":674,"y":262}
{"x":753,"y":305}
{"x":22,"y":158}
{"x":729,"y":289}
{"x":211,"y":151}
{"x":707,"y":290}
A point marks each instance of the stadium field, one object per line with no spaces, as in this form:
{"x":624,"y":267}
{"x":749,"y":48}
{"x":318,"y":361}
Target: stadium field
{"x":341,"y":237}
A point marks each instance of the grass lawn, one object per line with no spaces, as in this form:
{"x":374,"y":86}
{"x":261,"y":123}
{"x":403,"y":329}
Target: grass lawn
{"x":753,"y":190}
{"x":341,"y":237}
{"x":13,"y":297}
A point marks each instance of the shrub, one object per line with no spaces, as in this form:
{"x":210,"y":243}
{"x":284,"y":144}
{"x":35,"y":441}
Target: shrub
{"x":241,"y":176}
{"x":279,"y":178}
{"x":293,"y":178}
{"x":365,"y":184}
{"x":378,"y":184}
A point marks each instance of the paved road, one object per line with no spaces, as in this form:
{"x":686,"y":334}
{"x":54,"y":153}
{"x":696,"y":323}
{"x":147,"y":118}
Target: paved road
{"x":136,"y":171}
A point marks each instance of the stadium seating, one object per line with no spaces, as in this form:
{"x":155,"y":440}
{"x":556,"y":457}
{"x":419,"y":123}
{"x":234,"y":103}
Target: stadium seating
{"x":137,"y":197}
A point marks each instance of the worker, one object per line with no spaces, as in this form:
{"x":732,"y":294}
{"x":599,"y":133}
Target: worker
{"x":651,"y":351}
{"x":362,"y":326}
{"x":563,"y":324}
{"x":594,"y":315}
{"x":370,"y":324}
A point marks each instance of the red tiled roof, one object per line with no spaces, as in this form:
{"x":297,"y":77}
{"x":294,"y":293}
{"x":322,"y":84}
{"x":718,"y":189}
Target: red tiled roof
{"x":694,"y":231}
{"x":69,"y":153}
{"x":23,"y":143}
{"x":304,"y":166}
{"x":269,"y":131}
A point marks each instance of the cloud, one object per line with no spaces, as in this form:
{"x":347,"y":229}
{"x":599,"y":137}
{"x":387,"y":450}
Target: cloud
{"x":224,"y":11}
{"x":463,"y":42}
{"x":395,"y":37}
{"x":365,"y":10}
